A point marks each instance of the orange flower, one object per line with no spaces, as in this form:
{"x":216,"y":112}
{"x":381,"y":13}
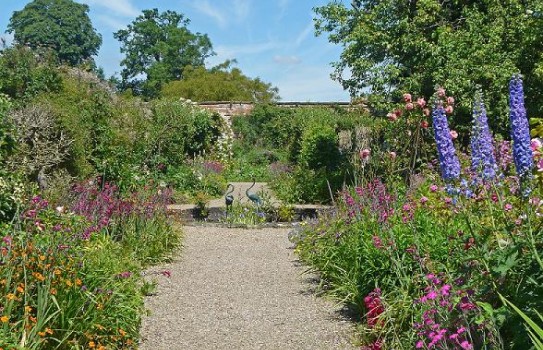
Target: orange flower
{"x":28,"y":308}
{"x":101,"y":347}
{"x":48,"y":331}
{"x":78,"y":282}
{"x":38,"y":276}
{"x":33,"y":319}
{"x":10,"y":296}
{"x":42,"y":257}
{"x":69,"y":283}
{"x":53,"y":291}
{"x":122,"y":332}
{"x":4,"y":319}
{"x":92,"y":345}
{"x":57,"y":272}
{"x":20,"y":289}
{"x":41,"y":334}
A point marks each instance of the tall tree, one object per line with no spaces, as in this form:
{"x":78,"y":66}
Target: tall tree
{"x":395,"y":46}
{"x":59,"y":25}
{"x":220,"y":83}
{"x":159,"y":46}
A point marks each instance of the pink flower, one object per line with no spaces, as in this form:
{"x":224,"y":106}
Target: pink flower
{"x":431,"y":295}
{"x":466,"y":345}
{"x":166,"y":273}
{"x":419,"y":345}
{"x":460,"y":330}
{"x":449,"y":109}
{"x":441,"y":92}
{"x":392,"y":117}
{"x":409,"y":106}
{"x":426,"y":112}
{"x":421,"y":102}
{"x":454,"y":134}
{"x":365,"y":153}
{"x":423,"y":200}
{"x":433,"y":188}
{"x":445,"y":290}
{"x":392,"y":155}
{"x":407,"y":97}
{"x":398,"y":112}
{"x":450,"y":100}
{"x":424,"y":124}
{"x":508,"y":207}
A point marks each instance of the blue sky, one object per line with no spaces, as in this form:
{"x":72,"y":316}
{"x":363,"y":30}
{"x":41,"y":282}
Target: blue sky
{"x":271,"y":39}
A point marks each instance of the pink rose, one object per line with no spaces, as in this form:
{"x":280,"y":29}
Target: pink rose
{"x":424,"y":124}
{"x":398,"y":112}
{"x":449,"y":109}
{"x":392,"y":155}
{"x":441,"y":92}
{"x":392,"y":117}
{"x":409,"y":106}
{"x":454,"y":134}
{"x":407,"y":97}
{"x":450,"y":100}
{"x":365,"y":153}
{"x":421,"y":102}
{"x":426,"y":112}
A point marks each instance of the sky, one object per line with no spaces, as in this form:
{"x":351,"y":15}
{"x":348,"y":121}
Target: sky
{"x":270,"y":39}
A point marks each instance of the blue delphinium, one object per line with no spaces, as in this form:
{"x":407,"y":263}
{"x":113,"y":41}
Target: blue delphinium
{"x":520,"y":132}
{"x":483,"y":161}
{"x":449,"y":163}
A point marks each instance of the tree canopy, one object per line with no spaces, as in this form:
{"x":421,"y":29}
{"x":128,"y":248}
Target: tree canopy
{"x":394,"y":46}
{"x":59,"y":25}
{"x":157,"y":48}
{"x":220,"y":83}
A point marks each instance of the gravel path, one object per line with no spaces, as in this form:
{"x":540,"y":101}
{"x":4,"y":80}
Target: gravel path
{"x":239,"y":289}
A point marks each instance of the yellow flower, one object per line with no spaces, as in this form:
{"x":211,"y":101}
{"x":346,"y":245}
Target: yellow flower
{"x":28,"y":308}
{"x":42,"y":257}
{"x":57,"y":272}
{"x":4,"y":319}
{"x":68,"y":283}
{"x":10,"y":296}
{"x":48,"y":331}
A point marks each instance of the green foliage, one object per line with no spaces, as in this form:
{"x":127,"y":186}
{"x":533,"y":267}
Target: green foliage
{"x":391,"y":47}
{"x":160,"y":46}
{"x":60,"y":25}
{"x":23,"y":74}
{"x":319,"y":148}
{"x":221,"y":83}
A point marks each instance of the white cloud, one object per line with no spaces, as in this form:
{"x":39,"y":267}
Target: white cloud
{"x":122,"y":8}
{"x":287,"y":60}
{"x":304,"y":34}
{"x":242,"y":9}
{"x":207,"y":9}
{"x":283,"y":6}
{"x":233,"y":51}
{"x":111,"y":22}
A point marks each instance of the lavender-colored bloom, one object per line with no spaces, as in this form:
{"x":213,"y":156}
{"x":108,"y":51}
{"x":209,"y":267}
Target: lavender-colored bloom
{"x":450,"y":165}
{"x":520,"y":132}
{"x":482,"y":149}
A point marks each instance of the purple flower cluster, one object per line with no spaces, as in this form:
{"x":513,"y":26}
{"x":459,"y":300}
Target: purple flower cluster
{"x":373,"y":199}
{"x":520,"y":132}
{"x":450,"y":165}
{"x":482,"y":149}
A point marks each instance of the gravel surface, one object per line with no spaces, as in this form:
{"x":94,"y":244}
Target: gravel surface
{"x":239,"y":289}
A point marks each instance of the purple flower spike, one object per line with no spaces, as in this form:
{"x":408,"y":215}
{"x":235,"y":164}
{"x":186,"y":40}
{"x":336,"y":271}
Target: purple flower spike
{"x":482,"y":149}
{"x":520,"y":132}
{"x":450,"y":165}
